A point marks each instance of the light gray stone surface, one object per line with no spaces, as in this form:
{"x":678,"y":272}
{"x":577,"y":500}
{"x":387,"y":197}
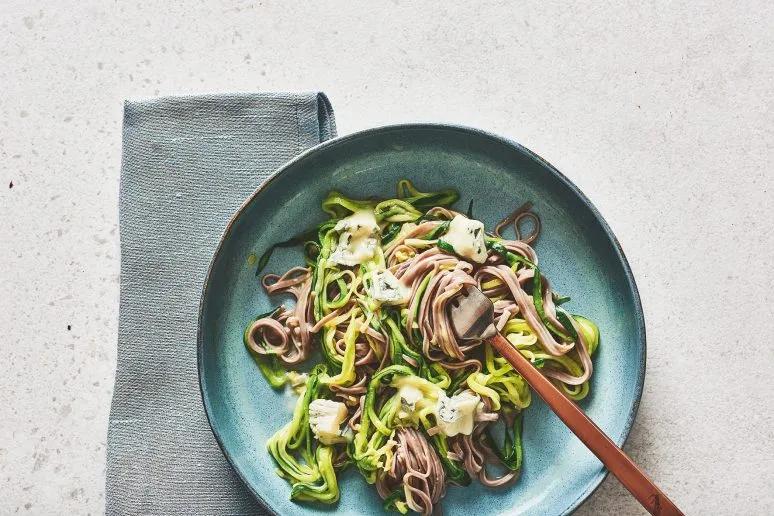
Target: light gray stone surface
{"x":661,"y":112}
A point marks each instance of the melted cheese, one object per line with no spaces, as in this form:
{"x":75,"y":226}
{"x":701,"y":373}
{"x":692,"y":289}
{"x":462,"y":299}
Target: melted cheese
{"x":409,"y":397}
{"x":358,"y":238}
{"x":456,"y":415}
{"x":325,"y":417}
{"x":297,"y":381}
{"x":466,"y":236}
{"x":385,"y":287}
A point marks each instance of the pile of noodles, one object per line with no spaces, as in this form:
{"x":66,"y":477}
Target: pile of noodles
{"x":366,"y":348}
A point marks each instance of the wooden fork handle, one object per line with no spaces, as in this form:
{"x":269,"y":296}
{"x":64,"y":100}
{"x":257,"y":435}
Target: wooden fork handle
{"x":615,"y":460}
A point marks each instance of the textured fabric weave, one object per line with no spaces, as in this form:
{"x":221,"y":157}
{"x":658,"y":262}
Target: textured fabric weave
{"x":188,"y":164}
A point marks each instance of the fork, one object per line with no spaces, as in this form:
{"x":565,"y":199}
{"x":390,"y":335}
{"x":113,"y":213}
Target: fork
{"x":472,"y":317}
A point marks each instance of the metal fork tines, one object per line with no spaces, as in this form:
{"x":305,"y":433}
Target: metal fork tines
{"x":472,"y":315}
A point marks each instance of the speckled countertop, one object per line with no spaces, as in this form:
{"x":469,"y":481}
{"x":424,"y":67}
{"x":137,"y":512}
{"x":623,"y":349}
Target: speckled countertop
{"x":662,"y":114}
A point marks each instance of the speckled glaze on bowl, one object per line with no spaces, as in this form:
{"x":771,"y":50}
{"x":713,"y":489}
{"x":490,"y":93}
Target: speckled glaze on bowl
{"x":577,"y":251}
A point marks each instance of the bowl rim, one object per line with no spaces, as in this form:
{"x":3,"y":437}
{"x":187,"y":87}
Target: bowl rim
{"x":597,"y":479}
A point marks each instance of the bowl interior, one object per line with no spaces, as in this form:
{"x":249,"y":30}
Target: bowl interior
{"x":576,"y":251}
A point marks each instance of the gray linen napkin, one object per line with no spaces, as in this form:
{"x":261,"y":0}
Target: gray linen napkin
{"x":188,"y":164}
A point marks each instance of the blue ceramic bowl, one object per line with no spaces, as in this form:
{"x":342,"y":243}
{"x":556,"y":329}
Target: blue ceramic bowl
{"x":577,"y":251}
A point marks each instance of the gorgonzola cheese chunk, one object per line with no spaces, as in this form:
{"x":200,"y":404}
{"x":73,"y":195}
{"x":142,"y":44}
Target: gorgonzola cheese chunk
{"x":358,"y":238}
{"x":456,"y":415}
{"x":325,"y":417}
{"x":385,"y":287}
{"x":466,"y":237}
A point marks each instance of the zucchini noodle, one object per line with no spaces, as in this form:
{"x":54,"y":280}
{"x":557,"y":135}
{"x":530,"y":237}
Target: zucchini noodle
{"x":395,"y":393}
